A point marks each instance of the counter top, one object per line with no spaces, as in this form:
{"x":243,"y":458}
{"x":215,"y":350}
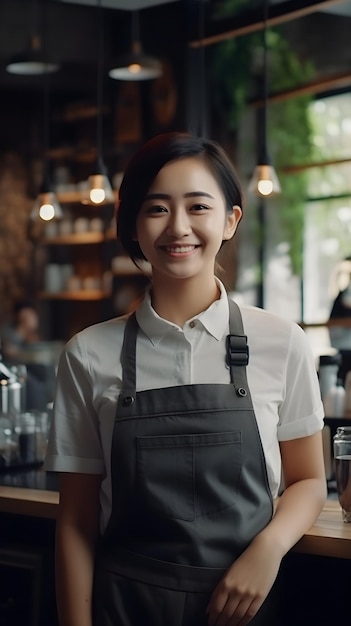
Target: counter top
{"x":33,"y":502}
{"x":329,"y":536}
{"x":29,"y":492}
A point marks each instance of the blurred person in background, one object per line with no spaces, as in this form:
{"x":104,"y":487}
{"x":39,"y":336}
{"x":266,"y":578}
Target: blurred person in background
{"x":340,"y":314}
{"x":22,"y":332}
{"x":23,"y":350}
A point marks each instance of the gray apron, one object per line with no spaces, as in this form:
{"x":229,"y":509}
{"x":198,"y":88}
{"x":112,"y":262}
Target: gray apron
{"x":189,"y":493}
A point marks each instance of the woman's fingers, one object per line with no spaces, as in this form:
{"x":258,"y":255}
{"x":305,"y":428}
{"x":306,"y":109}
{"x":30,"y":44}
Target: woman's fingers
{"x":237,"y":610}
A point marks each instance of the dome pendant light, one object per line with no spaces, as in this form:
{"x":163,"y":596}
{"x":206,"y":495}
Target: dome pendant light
{"x":32,"y":61}
{"x":136,"y":65}
{"x":264,"y":181}
{"x":99,"y":190}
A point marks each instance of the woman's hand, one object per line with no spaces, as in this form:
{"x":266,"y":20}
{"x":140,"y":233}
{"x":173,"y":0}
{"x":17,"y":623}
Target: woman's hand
{"x":244,"y":587}
{"x":246,"y":584}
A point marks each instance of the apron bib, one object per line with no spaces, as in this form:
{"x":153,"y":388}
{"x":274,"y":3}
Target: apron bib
{"x":189,"y":493}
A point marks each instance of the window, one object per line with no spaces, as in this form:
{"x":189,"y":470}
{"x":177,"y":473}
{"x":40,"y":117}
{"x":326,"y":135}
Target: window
{"x":327,"y":240}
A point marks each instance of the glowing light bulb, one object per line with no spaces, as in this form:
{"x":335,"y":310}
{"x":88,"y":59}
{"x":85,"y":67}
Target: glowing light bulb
{"x":134,"y":68}
{"x":265,"y":187}
{"x":46,"y":212}
{"x":97,"y":195}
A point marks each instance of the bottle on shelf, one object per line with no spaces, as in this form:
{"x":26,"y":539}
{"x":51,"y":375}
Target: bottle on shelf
{"x":328,"y":372}
{"x":347,"y":407}
{"x":334,"y":402}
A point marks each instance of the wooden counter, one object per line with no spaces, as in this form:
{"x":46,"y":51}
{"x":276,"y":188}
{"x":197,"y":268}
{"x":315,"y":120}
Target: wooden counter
{"x":32,"y":492}
{"x":329,"y":536}
{"x":31,"y":502}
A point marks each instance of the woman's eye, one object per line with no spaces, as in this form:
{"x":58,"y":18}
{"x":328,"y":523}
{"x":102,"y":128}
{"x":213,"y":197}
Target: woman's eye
{"x":199,"y":207}
{"x":156,"y":209}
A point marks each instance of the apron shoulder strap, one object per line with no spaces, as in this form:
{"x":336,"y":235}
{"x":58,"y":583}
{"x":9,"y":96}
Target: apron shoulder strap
{"x":237,"y":350}
{"x":128,"y":356}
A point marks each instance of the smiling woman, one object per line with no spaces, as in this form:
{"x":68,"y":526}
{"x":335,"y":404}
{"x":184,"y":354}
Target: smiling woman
{"x":180,"y":232}
{"x":170,"y":434}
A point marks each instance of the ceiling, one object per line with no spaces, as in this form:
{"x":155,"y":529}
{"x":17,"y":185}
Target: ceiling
{"x":319,"y":31}
{"x":341,"y":8}
{"x":127,"y":5}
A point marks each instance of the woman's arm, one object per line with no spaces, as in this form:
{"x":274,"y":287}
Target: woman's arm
{"x":247,"y":583}
{"x":77,"y":528}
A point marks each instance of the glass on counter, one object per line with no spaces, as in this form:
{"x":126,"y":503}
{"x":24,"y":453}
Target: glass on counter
{"x":342,"y":455}
{"x":23,"y":439}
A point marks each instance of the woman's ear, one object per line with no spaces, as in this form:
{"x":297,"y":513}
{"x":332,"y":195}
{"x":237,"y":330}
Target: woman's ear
{"x":232,"y":221}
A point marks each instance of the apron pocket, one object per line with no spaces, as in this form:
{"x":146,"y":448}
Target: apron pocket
{"x":186,"y":476}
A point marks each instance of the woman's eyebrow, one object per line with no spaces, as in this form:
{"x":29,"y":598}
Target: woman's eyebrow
{"x":165,"y":196}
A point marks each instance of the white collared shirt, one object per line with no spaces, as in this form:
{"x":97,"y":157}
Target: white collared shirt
{"x":281,"y":375}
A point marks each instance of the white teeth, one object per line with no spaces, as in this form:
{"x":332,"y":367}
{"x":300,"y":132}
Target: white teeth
{"x":179,"y":249}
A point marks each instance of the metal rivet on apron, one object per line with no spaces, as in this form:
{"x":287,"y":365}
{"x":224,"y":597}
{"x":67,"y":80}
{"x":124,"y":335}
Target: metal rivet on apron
{"x":241,"y":392}
{"x":128,"y":400}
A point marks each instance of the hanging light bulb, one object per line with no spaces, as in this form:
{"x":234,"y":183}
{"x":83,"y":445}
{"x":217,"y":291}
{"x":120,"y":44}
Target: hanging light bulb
{"x":136,"y":65}
{"x":264,"y":181}
{"x":46,"y":206}
{"x":99,"y":190}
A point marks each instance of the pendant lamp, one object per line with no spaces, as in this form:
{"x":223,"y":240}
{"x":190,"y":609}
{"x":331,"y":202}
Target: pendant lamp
{"x":264,"y":181}
{"x":136,"y":65}
{"x":32,"y":61}
{"x":46,"y":206}
{"x":99,"y":190}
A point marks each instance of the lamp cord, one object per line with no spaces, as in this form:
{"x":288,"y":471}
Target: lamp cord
{"x":135,"y":27}
{"x":34,"y":19}
{"x":46,"y":99}
{"x":99,"y":83}
{"x":202,"y":68}
{"x":265,"y":76}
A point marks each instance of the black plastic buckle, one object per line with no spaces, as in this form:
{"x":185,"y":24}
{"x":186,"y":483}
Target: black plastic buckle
{"x":237,"y":350}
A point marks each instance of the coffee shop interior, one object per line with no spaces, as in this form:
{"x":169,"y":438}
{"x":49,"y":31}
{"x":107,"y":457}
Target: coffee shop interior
{"x":83,"y":84}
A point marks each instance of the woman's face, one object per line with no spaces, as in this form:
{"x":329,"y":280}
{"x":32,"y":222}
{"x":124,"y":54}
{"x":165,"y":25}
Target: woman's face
{"x":183,"y":220}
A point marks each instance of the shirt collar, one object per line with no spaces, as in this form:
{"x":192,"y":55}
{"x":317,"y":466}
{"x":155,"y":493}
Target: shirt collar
{"x":214,"y":320}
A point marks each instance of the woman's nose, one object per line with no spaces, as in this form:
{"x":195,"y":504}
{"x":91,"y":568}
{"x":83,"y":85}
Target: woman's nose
{"x":178,"y":224}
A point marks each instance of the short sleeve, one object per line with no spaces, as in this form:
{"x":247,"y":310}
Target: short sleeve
{"x":301,"y":411}
{"x":74,"y":441}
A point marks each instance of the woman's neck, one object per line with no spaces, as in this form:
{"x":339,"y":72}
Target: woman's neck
{"x":180,"y":300}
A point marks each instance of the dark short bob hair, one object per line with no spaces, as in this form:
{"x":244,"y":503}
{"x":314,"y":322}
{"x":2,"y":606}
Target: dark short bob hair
{"x":150,"y":159}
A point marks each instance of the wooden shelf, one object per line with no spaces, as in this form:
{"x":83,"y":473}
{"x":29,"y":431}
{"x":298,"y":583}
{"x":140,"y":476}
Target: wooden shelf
{"x":72,"y":197}
{"x":80,"y":111}
{"x":131,"y":274}
{"x":75,"y":239}
{"x":126,"y":267}
{"x":82,"y":294}
{"x":86,"y":155}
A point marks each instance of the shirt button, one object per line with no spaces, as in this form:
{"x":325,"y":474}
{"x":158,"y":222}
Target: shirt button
{"x":192,"y":324}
